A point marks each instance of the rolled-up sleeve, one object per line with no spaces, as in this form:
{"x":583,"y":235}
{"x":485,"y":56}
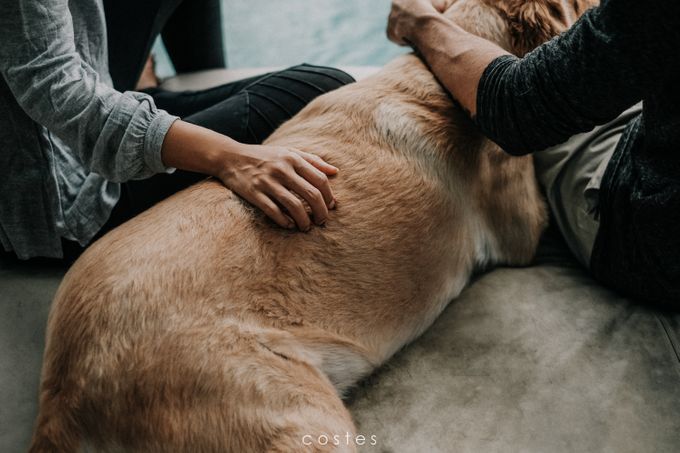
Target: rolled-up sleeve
{"x":586,"y":77}
{"x":117,"y":135}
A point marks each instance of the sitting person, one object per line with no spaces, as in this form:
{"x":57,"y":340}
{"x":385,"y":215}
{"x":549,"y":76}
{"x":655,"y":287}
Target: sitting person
{"x":614,"y":191}
{"x":80,"y":157}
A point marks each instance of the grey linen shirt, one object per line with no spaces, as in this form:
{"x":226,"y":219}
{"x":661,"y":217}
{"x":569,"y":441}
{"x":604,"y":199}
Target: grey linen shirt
{"x":67,"y":138}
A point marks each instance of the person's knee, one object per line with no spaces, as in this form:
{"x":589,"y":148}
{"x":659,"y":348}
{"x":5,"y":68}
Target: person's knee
{"x":327,"y":78}
{"x":279,"y":96}
{"x":337,"y":75}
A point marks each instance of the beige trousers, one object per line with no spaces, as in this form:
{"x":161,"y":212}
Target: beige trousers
{"x":571,"y":173}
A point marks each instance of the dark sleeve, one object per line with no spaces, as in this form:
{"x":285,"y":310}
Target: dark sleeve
{"x":608,"y":61}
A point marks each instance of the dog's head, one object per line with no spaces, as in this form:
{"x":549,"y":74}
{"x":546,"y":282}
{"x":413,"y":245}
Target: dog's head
{"x":516,"y":25}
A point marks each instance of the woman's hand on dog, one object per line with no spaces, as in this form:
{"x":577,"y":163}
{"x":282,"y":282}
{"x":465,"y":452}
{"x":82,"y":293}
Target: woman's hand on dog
{"x":268,"y":177}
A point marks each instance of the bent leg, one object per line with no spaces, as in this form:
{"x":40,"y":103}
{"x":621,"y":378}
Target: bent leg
{"x":263,"y":105}
{"x":570,"y":175}
{"x":186,"y":103}
{"x":203,"y":389}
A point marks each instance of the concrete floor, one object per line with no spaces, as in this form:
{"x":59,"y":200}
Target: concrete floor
{"x":527,"y":360}
{"x":25,"y":294}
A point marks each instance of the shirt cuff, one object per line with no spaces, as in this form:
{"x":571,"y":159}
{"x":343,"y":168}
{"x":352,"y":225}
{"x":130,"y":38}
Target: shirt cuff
{"x":153,"y":142}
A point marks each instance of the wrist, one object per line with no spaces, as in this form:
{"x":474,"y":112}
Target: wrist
{"x":426,"y":27}
{"x":224,"y":161}
{"x":193,"y":148}
{"x":433,"y":28}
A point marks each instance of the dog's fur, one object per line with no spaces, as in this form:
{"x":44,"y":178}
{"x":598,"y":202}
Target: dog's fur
{"x":199,"y":326}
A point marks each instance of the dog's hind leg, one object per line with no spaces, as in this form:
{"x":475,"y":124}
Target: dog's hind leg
{"x":205,"y":389}
{"x":55,"y":431}
{"x":299,"y":406}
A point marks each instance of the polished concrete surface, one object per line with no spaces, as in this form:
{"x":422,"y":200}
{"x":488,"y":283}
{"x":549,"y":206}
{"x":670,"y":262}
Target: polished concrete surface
{"x":25,"y":294}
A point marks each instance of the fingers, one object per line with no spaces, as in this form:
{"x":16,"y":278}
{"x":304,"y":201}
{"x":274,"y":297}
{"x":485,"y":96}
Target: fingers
{"x":271,"y":210}
{"x":392,"y":33}
{"x":403,"y":22}
{"x":282,"y":182}
{"x":396,"y":23}
{"x":312,"y":186}
{"x":309,"y":184}
{"x":312,"y":196}
{"x":269,"y":196}
{"x":317,"y":179}
{"x":293,"y":205}
{"x":318,"y":163}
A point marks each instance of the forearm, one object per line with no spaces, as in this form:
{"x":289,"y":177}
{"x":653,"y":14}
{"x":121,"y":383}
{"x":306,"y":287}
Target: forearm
{"x":457,"y":58}
{"x":194,"y":148}
{"x":586,"y":77}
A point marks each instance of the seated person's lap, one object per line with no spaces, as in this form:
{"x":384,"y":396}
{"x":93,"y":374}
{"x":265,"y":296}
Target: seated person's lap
{"x":570,"y":174}
{"x":247,"y":111}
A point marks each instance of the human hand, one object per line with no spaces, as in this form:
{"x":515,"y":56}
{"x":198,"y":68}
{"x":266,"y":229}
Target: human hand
{"x":269,"y":177}
{"x":406,"y":14}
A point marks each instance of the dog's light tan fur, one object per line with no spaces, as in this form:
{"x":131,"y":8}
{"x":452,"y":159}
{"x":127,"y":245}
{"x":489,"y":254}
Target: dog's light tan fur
{"x":200,"y":327}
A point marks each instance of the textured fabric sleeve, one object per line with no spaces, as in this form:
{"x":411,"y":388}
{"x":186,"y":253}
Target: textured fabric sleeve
{"x":587,"y":76}
{"x":117,"y":135}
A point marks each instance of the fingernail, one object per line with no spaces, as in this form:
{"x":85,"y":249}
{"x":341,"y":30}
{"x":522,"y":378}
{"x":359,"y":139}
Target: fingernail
{"x":331,"y":205}
{"x":290,"y":226}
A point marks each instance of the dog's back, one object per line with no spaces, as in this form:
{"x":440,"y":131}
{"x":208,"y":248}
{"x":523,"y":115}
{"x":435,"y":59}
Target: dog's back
{"x":198,"y":326}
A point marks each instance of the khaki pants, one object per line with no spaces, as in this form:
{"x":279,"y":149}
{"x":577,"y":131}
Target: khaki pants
{"x":571,"y":173}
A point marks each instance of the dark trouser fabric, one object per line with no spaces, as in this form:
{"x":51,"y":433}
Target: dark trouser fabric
{"x":191,"y":31}
{"x":247,"y":110}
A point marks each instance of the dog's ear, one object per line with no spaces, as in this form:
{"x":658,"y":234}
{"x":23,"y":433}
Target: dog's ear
{"x":533,"y":22}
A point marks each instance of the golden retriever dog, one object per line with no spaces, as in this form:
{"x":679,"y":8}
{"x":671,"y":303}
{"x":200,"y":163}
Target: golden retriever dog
{"x":199,"y":326}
